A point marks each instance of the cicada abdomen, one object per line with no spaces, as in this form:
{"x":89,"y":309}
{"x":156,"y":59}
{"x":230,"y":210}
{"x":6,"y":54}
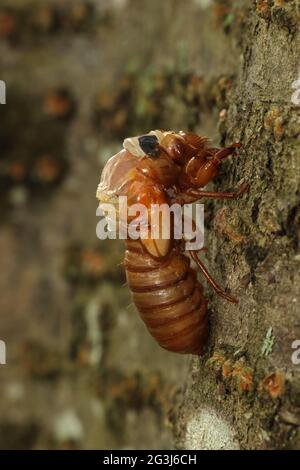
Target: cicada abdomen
{"x":168,"y":297}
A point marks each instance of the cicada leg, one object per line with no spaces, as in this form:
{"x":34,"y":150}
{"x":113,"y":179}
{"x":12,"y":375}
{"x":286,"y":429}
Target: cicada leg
{"x":211,"y":281}
{"x":192,"y":195}
{"x":219,"y":195}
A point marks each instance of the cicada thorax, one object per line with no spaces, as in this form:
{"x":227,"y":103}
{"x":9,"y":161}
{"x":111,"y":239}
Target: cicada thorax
{"x":134,"y":186}
{"x":149,"y":217}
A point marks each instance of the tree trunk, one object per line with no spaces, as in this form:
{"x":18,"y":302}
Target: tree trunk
{"x":245,"y":393}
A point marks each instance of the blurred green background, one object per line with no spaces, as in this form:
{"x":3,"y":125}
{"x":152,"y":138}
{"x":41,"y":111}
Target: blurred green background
{"x":82,"y":371}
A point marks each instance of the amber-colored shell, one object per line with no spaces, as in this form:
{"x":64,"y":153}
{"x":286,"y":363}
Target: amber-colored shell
{"x":169,"y":298}
{"x":165,"y":288}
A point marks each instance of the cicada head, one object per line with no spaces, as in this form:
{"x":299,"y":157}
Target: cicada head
{"x":155,"y":160}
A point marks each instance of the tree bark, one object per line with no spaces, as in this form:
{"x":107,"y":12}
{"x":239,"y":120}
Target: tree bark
{"x":245,"y":392}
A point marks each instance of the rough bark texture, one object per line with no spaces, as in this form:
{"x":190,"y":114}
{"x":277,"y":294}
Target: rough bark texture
{"x":253,"y":340}
{"x":81,"y":369}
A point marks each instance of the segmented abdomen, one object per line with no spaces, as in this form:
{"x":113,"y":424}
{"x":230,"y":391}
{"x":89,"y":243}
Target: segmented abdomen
{"x":169,"y":298}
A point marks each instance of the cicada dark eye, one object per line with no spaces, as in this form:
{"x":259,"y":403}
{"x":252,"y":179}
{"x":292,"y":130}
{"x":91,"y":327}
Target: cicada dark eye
{"x":149,"y":144}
